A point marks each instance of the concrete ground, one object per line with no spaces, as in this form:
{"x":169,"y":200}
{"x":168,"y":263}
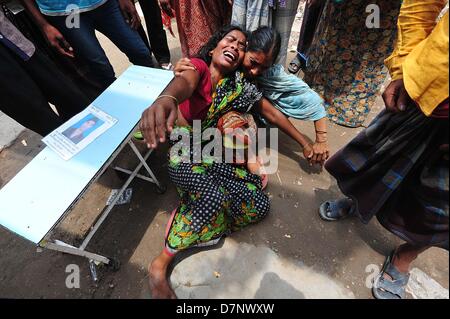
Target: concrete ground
{"x":290,"y":254}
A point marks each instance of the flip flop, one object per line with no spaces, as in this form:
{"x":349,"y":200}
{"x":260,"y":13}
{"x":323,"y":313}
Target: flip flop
{"x":385,"y":288}
{"x":336,"y":210}
{"x":294,"y":66}
{"x":299,"y":62}
{"x":138,"y":136}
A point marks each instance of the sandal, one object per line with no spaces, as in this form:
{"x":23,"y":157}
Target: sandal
{"x":385,"y":288}
{"x":337,"y":210}
{"x":299,"y":62}
{"x":138,"y":136}
{"x":294,"y":66}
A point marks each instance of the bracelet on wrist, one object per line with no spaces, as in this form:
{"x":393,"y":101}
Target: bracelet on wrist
{"x":169,"y":96}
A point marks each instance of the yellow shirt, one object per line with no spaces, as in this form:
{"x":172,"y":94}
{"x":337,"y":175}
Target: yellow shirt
{"x":420,"y":56}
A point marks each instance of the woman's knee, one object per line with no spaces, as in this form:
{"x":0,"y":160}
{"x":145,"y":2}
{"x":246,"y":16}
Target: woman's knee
{"x":256,"y":204}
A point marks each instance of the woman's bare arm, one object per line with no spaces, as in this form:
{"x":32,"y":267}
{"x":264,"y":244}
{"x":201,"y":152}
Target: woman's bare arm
{"x":275,"y":117}
{"x":160,"y":117}
{"x":320,"y":147}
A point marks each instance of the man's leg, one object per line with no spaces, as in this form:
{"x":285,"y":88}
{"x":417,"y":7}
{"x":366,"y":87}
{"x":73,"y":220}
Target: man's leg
{"x":282,"y":21}
{"x":239,"y":13}
{"x":87,"y":47}
{"x":56,"y":87}
{"x":155,"y":30}
{"x":21,"y":99}
{"x":110,"y":21}
{"x":405,"y":255}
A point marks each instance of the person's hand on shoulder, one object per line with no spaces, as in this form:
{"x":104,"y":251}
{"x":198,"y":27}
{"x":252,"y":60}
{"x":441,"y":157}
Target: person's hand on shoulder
{"x":184,"y":64}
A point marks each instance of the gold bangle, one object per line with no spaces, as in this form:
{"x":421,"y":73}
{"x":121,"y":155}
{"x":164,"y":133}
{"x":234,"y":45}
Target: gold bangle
{"x":169,"y":96}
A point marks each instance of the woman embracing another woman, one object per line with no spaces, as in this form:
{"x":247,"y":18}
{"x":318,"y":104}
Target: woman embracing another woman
{"x":216,"y":197}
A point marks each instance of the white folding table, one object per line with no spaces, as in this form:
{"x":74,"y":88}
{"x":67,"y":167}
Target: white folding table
{"x":38,"y":198}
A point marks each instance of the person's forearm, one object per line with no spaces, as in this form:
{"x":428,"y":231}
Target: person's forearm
{"x":275,"y":117}
{"x":282,"y":122}
{"x":38,"y":17}
{"x":180,"y":88}
{"x":321,"y":130}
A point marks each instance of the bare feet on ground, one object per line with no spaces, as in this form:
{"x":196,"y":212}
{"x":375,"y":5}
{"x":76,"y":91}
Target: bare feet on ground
{"x":159,"y":285}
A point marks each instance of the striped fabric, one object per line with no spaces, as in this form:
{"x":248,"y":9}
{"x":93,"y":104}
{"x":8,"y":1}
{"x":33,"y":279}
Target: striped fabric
{"x":282,"y":20}
{"x":251,"y":14}
{"x":395,"y":170}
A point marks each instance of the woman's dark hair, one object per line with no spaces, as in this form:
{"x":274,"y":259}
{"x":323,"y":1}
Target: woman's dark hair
{"x":203,"y":53}
{"x":266,"y":40}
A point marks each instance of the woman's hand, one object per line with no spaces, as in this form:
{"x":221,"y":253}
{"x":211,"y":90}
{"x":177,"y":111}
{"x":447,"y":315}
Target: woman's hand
{"x":308,"y":152}
{"x":157,"y":120}
{"x":321,"y":152}
{"x":183,"y":64}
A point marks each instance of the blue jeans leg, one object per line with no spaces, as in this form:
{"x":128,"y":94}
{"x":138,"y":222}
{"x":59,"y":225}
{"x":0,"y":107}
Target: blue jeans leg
{"x":87,"y":47}
{"x":110,"y":21}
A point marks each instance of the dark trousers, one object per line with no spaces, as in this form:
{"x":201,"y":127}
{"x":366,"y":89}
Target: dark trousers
{"x":107,"y":19}
{"x":27,"y":87}
{"x":311,"y":18}
{"x":155,"y":30}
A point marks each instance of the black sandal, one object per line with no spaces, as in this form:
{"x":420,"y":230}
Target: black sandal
{"x":337,"y":210}
{"x":295,"y":65}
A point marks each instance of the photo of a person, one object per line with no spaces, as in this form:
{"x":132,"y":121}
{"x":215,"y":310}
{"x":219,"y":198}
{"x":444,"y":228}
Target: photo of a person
{"x":79,"y":131}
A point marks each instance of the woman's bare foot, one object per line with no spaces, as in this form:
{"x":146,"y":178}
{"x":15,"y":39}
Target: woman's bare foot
{"x":159,"y":284}
{"x":254,"y":168}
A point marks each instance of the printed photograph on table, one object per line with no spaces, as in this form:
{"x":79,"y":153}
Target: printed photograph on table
{"x":77,"y":133}
{"x":82,"y":129}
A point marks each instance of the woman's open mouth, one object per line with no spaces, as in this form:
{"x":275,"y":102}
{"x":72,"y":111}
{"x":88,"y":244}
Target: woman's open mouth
{"x":230,"y":56}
